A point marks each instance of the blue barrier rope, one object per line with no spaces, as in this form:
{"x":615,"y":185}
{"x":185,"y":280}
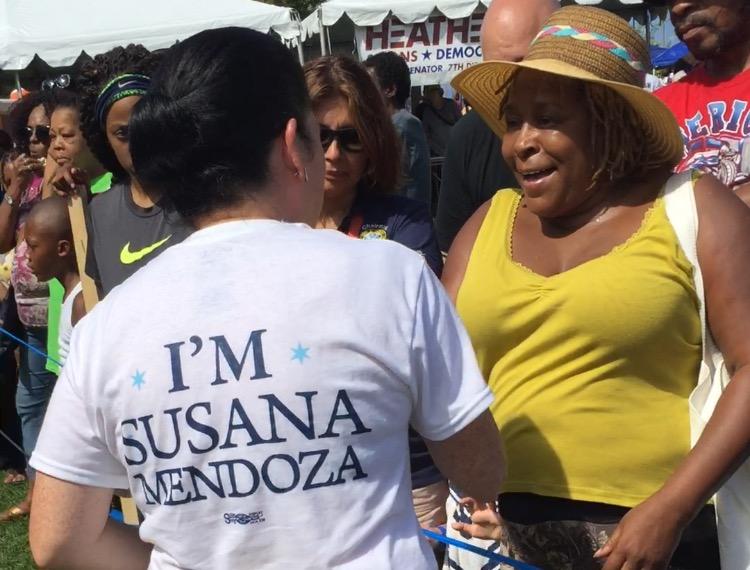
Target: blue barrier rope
{"x":31,"y":348}
{"x":494,"y":556}
{"x":40,"y":353}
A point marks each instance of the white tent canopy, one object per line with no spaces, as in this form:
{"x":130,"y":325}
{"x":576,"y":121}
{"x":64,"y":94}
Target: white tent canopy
{"x":59,"y":31}
{"x":373,"y":12}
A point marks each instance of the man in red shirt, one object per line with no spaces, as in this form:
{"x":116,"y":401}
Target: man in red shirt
{"x":712,"y":103}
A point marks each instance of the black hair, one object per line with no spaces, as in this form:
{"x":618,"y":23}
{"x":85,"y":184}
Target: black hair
{"x":62,"y":99}
{"x":392,"y":71}
{"x":92,"y":78}
{"x":18,"y":116}
{"x":6,"y":143}
{"x":50,"y":99}
{"x":204,"y":131}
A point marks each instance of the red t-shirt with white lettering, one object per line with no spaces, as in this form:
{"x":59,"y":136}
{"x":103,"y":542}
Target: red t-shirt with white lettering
{"x":714,"y":118}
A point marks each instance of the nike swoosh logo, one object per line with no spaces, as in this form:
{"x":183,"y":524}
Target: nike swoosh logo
{"x":127,"y":257}
{"x":124,"y":84}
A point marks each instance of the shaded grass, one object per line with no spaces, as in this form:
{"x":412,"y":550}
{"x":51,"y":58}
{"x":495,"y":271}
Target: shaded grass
{"x":14,"y":536}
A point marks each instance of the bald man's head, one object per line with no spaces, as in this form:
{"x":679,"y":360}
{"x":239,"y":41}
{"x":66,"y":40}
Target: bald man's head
{"x":509,"y":26}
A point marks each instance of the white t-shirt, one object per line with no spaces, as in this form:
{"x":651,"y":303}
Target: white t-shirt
{"x":65,"y":328}
{"x":253,"y":385}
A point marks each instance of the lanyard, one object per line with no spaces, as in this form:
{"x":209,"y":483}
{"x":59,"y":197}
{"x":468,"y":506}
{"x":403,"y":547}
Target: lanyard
{"x":355,"y":226}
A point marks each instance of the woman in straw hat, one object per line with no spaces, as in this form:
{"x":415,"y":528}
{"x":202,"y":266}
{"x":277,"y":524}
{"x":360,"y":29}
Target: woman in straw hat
{"x":582,"y":309}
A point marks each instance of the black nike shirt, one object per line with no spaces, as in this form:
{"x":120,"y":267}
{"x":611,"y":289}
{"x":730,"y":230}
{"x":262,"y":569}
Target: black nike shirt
{"x":123,"y":237}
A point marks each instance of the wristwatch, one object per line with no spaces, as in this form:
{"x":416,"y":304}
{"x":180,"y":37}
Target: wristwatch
{"x":8,"y":198}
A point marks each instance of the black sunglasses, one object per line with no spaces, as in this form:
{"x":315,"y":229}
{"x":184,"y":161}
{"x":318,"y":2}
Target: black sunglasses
{"x":40,"y":131}
{"x":348,"y":139}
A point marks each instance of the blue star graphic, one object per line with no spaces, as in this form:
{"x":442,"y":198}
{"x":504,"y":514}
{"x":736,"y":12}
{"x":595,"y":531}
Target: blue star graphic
{"x":426,"y":54}
{"x":300,"y":353}
{"x":138,"y":379}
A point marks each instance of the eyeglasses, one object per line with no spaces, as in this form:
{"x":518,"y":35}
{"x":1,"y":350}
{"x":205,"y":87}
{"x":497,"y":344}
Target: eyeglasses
{"x":348,"y":139}
{"x":62,"y":82}
{"x":40,"y":131}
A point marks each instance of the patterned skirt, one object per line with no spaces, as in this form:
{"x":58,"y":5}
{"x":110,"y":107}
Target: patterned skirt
{"x":571,"y":544}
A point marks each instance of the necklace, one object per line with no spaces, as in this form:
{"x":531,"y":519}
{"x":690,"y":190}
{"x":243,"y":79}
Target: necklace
{"x":601,"y":214}
{"x":596,"y":219}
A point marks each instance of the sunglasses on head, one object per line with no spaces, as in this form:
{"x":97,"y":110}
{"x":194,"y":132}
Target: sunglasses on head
{"x":40,"y":131}
{"x":61,"y":82}
{"x":348,"y":139}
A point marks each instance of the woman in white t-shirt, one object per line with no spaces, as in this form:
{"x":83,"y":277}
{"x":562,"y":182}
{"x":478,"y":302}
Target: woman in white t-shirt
{"x":261,"y":420}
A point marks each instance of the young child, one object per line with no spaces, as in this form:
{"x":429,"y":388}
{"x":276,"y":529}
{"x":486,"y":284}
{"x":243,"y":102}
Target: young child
{"x":52,"y":254}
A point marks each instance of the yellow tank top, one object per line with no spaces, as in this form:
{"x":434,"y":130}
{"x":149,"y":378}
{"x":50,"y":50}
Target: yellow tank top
{"x":591,"y":368}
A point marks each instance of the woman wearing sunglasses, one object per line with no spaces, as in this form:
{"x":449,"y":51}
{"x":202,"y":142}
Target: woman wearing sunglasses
{"x":29,"y":121}
{"x":363,"y":167}
{"x":363,"y":161}
{"x":29,"y":124}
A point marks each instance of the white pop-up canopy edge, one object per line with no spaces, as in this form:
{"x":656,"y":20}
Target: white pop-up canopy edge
{"x":59,"y":31}
{"x":373,"y":12}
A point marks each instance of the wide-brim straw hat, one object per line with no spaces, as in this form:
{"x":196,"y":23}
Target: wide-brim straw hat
{"x":592,"y":45}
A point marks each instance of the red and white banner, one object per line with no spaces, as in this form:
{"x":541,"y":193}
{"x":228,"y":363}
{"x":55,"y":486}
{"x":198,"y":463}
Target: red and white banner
{"x":435,"y":50}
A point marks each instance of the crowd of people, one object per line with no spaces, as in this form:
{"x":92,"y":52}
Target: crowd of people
{"x":291,"y":364}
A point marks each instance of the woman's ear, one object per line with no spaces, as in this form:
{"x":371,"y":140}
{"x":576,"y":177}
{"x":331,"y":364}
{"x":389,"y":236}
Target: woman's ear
{"x":291,"y":149}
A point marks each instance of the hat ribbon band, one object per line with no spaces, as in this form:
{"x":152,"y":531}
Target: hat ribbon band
{"x":594,"y":38}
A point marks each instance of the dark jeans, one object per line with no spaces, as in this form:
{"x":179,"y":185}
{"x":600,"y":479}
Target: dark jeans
{"x":10,"y":424}
{"x":35,"y":385}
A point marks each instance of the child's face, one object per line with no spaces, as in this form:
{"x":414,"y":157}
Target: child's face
{"x":43,"y":252}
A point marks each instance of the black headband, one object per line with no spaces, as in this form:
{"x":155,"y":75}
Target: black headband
{"x":126,"y":85}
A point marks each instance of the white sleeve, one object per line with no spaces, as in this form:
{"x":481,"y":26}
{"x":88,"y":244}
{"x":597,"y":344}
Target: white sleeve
{"x":449,"y":388}
{"x":71,"y":444}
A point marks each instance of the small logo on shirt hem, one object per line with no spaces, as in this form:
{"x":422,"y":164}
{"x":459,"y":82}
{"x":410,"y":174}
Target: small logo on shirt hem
{"x":242,"y":518}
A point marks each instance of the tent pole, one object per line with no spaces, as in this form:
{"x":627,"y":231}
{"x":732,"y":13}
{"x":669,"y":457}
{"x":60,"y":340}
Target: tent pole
{"x":300,"y":51}
{"x":322,"y":30}
{"x":18,"y":83}
{"x":647,"y":17}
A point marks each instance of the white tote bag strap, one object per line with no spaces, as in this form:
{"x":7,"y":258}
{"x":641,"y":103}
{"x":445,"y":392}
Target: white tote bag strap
{"x":733,"y":499}
{"x":679,"y":201}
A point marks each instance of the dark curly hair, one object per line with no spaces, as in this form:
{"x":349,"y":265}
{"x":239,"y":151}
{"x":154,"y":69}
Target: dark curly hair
{"x":391,"y":71}
{"x":92,"y":78}
{"x":18,"y":116}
